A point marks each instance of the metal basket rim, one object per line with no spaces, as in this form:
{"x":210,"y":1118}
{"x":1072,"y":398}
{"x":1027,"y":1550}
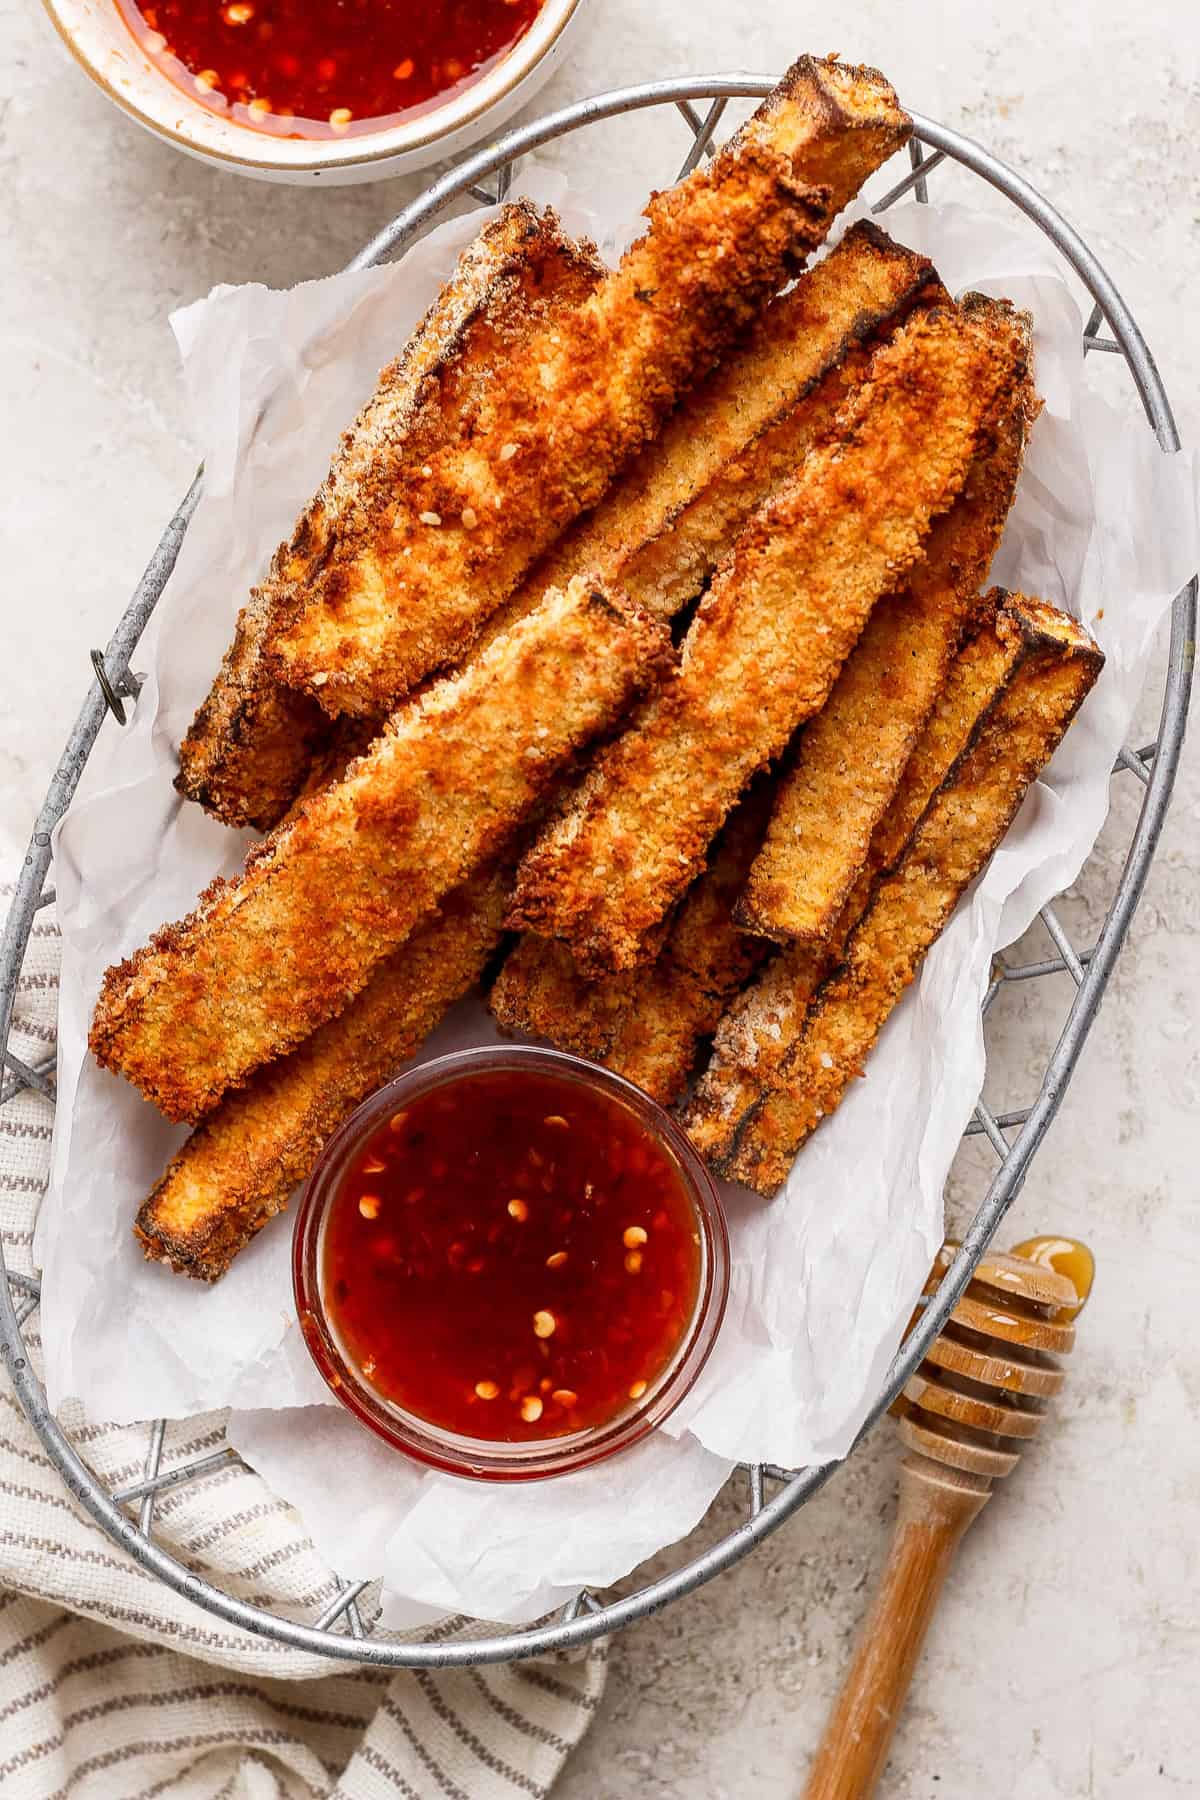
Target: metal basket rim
{"x":588,"y":1619}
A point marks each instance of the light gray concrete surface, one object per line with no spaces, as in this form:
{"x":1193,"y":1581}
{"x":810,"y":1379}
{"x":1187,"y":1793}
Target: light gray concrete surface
{"x":1064,"y":1659}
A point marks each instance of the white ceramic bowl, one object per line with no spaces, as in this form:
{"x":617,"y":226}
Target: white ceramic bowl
{"x":102,"y":43}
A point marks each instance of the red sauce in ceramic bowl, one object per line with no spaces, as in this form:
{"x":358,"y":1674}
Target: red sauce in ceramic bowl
{"x":324,"y":68}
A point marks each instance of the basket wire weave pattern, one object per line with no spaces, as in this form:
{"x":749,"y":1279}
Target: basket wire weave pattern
{"x":127,"y":1514}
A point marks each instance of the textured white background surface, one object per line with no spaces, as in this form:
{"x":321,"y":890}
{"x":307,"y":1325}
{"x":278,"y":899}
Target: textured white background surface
{"x":1063,"y":1662}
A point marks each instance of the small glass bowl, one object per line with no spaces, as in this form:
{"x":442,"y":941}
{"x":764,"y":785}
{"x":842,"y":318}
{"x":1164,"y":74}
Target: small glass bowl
{"x":485,"y":1459}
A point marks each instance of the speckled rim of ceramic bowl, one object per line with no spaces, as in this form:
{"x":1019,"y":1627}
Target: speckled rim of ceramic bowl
{"x":169,"y":112}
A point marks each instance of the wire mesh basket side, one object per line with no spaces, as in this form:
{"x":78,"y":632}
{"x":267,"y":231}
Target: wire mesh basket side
{"x":126,"y":1514}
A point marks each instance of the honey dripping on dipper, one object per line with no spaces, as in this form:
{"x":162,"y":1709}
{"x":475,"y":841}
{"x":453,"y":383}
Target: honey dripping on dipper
{"x":1066,"y":1256}
{"x":965,"y":1415}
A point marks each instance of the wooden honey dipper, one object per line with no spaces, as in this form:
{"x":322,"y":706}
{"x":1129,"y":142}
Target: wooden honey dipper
{"x":965,"y":1415}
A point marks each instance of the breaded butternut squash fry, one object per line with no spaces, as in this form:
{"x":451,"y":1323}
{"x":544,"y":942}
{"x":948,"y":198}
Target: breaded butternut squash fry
{"x":1057,"y":666}
{"x":346,"y":740}
{"x":671,"y":569}
{"x":763,"y":1023}
{"x":673,"y":514}
{"x":750,"y":1040}
{"x":706,"y":960}
{"x":541,"y":991}
{"x":646,"y":1023}
{"x":704,"y":940}
{"x":268,"y":957}
{"x":766,"y":645}
{"x":441,"y":541}
{"x":249,"y":746}
{"x":974,"y":682}
{"x":660,"y":1037}
{"x":850,"y":758}
{"x":238,"y":1169}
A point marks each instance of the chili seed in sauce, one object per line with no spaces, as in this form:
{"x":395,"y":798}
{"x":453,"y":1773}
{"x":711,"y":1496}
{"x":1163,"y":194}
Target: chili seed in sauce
{"x":325,"y":68}
{"x":498,"y":1318}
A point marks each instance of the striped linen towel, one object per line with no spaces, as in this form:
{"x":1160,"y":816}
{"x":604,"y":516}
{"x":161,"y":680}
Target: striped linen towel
{"x":113,"y":1687}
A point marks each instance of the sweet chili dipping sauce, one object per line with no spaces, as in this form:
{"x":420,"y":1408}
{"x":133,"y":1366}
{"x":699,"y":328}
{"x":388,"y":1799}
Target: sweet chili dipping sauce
{"x":512,"y":1255}
{"x":322,"y":68}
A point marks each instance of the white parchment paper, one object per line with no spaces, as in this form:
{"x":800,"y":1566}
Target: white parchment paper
{"x":824,"y":1276}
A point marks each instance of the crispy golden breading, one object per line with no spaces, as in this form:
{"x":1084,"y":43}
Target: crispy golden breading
{"x":975,"y":679}
{"x":673,"y":514}
{"x":239,"y":1167}
{"x":268,"y":957}
{"x":346,"y":740}
{"x":248,"y":748}
{"x":660,"y":1036}
{"x":664,"y":571}
{"x":440,"y":542}
{"x":850,"y":758}
{"x":750,"y":1040}
{"x":767,"y":643}
{"x":704,"y":942}
{"x":1057,"y":665}
{"x":671,"y":569}
{"x":541,"y":991}
{"x":765,"y":1020}
{"x":647,"y":1023}
{"x":705,"y":962}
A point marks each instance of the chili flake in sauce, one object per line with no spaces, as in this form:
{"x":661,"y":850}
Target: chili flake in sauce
{"x":512,"y":1257}
{"x":322,"y":68}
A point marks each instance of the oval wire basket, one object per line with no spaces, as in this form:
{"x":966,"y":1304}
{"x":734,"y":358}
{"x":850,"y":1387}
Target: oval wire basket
{"x":774,"y":1494}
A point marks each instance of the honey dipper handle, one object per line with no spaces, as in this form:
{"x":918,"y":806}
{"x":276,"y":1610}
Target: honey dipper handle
{"x":936,"y":1506}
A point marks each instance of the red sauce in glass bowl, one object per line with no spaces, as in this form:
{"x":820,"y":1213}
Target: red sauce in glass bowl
{"x":325,"y":68}
{"x":519,"y":1254}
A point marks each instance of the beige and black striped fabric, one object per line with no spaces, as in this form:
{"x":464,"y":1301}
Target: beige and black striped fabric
{"x":113,"y":1687}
